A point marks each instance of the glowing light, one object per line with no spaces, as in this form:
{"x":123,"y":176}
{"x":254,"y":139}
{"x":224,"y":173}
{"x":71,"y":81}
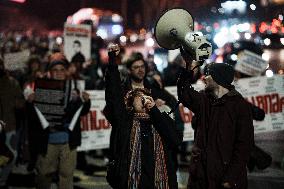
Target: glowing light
{"x":244,"y":27}
{"x":247,"y":36}
{"x":267,"y":42}
{"x":282,"y":40}
{"x":269,"y":73}
{"x":150,"y":42}
{"x":102,"y":33}
{"x":280,"y":17}
{"x":59,"y":40}
{"x":116,"y":29}
{"x":234,"y":57}
{"x":123,"y":39}
{"x":220,"y":40}
{"x":224,"y":30}
{"x":252,"y":7}
{"x":265,"y":56}
{"x":18,"y":1}
{"x":230,"y":6}
{"x":133,"y":38}
{"x":158,"y":60}
{"x":116,"y":18}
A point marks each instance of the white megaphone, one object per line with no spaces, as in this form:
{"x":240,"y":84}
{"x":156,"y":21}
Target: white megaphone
{"x":175,"y":29}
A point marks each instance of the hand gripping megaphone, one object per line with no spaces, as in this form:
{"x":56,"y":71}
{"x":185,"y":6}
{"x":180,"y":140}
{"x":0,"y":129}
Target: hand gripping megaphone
{"x":175,"y":29}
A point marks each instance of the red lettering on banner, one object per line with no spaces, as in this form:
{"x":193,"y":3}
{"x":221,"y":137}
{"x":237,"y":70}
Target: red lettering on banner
{"x":93,"y":120}
{"x":84,"y":123}
{"x":185,"y":116}
{"x":281,"y":104}
{"x":274,"y":104}
{"x":270,"y":103}
{"x":90,"y":122}
{"x":260,"y":103}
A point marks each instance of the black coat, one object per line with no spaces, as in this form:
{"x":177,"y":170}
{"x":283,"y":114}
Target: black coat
{"x":121,"y":121}
{"x":223,"y":138}
{"x":38,"y":137}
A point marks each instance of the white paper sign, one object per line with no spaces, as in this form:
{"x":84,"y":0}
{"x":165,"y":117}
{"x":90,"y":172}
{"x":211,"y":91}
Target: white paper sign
{"x":17,"y":60}
{"x":77,"y":42}
{"x":250,"y":63}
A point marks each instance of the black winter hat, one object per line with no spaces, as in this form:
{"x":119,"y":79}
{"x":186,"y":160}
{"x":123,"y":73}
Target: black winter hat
{"x":57,"y":62}
{"x":222,"y":74}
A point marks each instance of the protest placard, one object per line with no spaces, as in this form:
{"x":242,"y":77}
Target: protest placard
{"x":77,"y":42}
{"x":17,"y":60}
{"x":51,"y":97}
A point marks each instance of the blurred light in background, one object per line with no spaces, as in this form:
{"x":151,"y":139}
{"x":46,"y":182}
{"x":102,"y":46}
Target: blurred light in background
{"x":247,"y":36}
{"x":282,"y":41}
{"x":234,"y":57}
{"x":252,"y":7}
{"x":123,"y":39}
{"x":269,"y":73}
{"x":59,"y":40}
{"x":150,"y":42}
{"x":267,"y":41}
{"x":18,"y":1}
{"x":102,"y":33}
{"x":265,"y":56}
{"x":116,"y":18}
{"x":231,"y":6}
{"x":116,"y":29}
{"x":133,"y":38}
{"x":280,"y":17}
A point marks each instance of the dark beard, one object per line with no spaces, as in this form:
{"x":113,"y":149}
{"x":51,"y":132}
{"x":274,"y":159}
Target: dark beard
{"x":210,"y":92}
{"x":136,"y":79}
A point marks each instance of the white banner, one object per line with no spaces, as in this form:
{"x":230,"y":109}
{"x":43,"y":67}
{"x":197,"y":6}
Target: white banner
{"x":266,"y":93}
{"x":77,"y":42}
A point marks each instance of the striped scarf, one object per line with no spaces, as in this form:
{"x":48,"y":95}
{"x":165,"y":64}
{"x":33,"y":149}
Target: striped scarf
{"x":161,"y":176}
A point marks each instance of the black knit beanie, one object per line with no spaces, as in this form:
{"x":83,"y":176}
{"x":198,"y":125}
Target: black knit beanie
{"x":222,"y":74}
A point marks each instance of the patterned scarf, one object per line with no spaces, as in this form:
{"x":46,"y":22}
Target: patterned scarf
{"x":161,"y":176}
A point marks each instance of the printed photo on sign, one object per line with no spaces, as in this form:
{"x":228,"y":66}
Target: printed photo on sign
{"x":77,"y":43}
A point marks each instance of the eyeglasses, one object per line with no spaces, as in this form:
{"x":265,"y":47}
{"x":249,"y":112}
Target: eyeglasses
{"x":58,"y":70}
{"x":138,"y":67}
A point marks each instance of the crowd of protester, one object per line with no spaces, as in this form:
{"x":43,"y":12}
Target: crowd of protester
{"x":45,"y":49}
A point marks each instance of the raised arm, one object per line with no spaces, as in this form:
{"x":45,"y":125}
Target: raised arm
{"x":189,"y":97}
{"x":115,"y":108}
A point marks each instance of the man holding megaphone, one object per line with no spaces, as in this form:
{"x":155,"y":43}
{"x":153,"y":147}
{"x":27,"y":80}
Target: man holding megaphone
{"x":223,"y":123}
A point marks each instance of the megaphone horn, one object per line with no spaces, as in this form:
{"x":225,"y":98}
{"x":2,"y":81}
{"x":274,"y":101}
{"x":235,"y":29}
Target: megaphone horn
{"x":175,"y":29}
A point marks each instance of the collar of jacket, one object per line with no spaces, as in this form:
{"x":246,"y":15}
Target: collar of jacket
{"x":226,"y":97}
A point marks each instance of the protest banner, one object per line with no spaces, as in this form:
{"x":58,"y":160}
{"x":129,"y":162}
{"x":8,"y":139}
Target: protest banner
{"x":77,"y":42}
{"x":51,"y":97}
{"x":266,"y":93}
{"x":17,"y":60}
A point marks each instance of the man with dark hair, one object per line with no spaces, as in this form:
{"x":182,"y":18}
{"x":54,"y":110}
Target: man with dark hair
{"x":223,"y":130}
{"x":78,"y":57}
